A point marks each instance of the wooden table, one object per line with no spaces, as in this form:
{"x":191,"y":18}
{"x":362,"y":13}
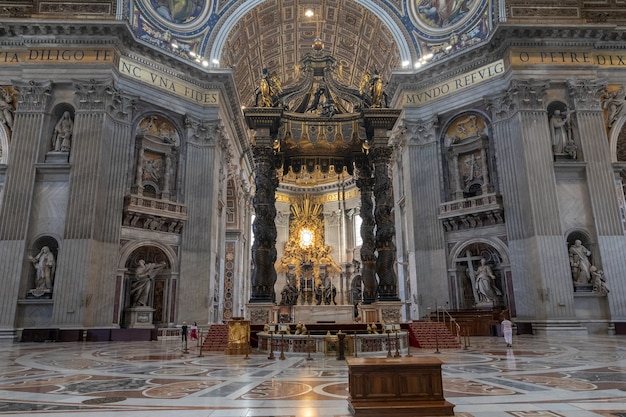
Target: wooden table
{"x":396,"y":387}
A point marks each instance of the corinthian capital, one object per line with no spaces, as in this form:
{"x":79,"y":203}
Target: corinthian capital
{"x":502,"y":106}
{"x":530,"y":95}
{"x":32,"y":96}
{"x":94,"y":94}
{"x":203,"y":132}
{"x":122,"y":105}
{"x":421,"y":132}
{"x":586,"y":93}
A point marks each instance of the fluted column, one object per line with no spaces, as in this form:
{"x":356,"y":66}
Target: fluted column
{"x":602,"y":194}
{"x":427,"y":250}
{"x":538,"y":252}
{"x":195,"y":292}
{"x":85,"y":281}
{"x":385,"y":226}
{"x":18,"y":194}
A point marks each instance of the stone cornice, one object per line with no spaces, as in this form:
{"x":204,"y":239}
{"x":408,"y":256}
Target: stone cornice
{"x":29,"y":33}
{"x":506,"y":36}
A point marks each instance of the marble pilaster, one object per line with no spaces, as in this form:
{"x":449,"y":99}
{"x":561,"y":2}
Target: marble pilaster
{"x":98,"y":160}
{"x":197,"y":255}
{"x":19,"y":183}
{"x":602,"y":193}
{"x":537,"y":248}
{"x":426,"y":250}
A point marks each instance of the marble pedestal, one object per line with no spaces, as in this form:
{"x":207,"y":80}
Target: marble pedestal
{"x":139,"y":318}
{"x":323,"y":313}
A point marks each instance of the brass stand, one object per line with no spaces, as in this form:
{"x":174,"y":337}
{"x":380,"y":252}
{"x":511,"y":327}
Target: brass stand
{"x":282,"y":347}
{"x":408,"y":346}
{"x":247,"y":352}
{"x":308,"y":347}
{"x":200,"y":343}
{"x":397,"y":355}
{"x":271,"y":356}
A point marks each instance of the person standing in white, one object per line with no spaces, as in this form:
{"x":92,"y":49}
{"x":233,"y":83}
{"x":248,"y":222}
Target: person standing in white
{"x":507,"y":331}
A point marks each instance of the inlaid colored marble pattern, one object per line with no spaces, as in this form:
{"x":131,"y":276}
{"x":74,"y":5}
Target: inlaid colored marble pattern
{"x":568,"y":377}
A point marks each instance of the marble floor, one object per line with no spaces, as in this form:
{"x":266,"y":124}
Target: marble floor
{"x":538,"y":376}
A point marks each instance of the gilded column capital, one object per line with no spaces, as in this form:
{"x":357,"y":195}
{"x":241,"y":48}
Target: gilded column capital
{"x":422,"y":131}
{"x":32,"y":96}
{"x":586,"y":94}
{"x":203,"y":132}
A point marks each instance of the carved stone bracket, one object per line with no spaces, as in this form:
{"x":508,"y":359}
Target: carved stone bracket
{"x":470,"y":213}
{"x":154,"y":214}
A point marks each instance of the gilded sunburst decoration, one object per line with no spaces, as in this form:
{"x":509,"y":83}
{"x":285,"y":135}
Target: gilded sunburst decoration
{"x":306,"y":243}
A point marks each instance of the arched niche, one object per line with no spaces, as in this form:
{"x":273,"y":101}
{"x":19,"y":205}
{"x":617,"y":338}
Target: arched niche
{"x":565,"y":143}
{"x":581,"y":258}
{"x":465,"y":263}
{"x":42,"y":255}
{"x":161,"y":295}
{"x":58,"y":142}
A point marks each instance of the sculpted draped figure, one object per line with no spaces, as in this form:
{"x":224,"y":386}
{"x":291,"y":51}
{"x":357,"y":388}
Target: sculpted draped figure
{"x":45,"y":265}
{"x":144,"y":274}
{"x":486,"y":289}
{"x":560,"y":131}
{"x":579,"y":262}
{"x":6,"y":108}
{"x":62,"y":137}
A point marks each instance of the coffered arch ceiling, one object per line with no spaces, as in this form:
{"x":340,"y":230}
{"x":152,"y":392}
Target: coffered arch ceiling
{"x":362,"y":35}
{"x":277,"y":34}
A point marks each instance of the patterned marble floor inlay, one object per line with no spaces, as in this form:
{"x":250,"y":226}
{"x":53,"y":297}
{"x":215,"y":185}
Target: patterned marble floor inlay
{"x":538,"y":377}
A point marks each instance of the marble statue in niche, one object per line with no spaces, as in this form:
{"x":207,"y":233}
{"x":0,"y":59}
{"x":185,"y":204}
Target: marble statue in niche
{"x":63,"y":131}
{"x":45,"y":267}
{"x":6,"y":108}
{"x":561,"y":130}
{"x":598,"y":280}
{"x":144,"y":275}
{"x":485,"y":283}
{"x":579,"y":262}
